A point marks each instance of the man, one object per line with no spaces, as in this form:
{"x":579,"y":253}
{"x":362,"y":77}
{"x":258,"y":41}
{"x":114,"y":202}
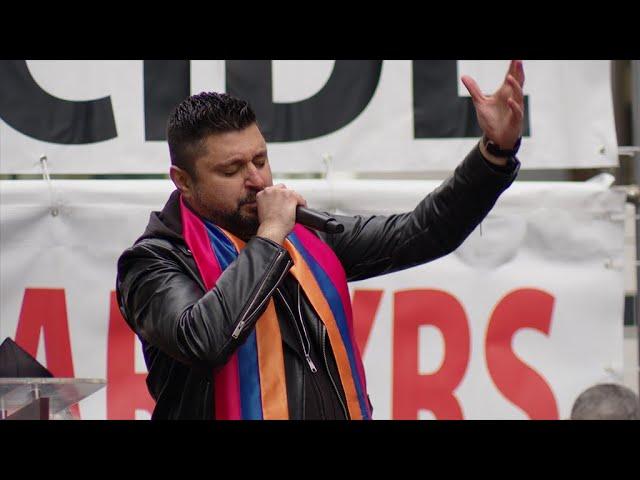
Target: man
{"x":606,"y":401}
{"x":244,"y":314}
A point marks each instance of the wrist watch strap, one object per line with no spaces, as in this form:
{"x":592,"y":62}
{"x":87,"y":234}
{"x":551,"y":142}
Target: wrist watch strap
{"x":494,"y":149}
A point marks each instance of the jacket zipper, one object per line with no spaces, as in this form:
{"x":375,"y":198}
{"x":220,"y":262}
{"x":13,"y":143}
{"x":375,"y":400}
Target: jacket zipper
{"x":313,"y":369}
{"x":306,"y":350}
{"x":326,"y":363}
{"x":244,"y":319}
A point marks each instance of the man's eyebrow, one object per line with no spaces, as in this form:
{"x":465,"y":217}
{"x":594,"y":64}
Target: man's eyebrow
{"x":233,"y":161}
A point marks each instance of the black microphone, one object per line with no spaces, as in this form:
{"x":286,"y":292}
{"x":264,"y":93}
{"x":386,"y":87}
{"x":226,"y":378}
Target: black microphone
{"x":318,"y":220}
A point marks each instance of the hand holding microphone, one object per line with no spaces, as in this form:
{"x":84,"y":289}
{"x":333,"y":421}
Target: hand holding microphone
{"x":279,"y":208}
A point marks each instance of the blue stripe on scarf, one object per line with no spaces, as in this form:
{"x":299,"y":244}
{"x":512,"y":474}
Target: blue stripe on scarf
{"x":250,"y":396}
{"x":335,"y":303}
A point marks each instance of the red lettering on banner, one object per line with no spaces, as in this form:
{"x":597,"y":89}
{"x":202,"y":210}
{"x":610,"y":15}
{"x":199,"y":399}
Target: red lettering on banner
{"x":525,"y":308}
{"x":45,"y":310}
{"x":126,"y":389}
{"x":411,"y":390}
{"x":365,"y":305}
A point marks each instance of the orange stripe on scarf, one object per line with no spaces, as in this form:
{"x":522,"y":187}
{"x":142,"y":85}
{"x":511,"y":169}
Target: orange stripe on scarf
{"x":303,"y":274}
{"x":273,"y":388}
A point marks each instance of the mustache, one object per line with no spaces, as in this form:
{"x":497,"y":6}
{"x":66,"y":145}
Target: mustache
{"x":251,"y":198}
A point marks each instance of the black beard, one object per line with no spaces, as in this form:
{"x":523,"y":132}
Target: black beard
{"x":241,"y":226}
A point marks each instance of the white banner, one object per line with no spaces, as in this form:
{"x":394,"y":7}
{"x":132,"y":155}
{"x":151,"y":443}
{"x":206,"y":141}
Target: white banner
{"x":514,"y":324}
{"x":94,"y":117}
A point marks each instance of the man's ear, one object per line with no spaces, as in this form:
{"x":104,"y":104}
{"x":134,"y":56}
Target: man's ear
{"x":182,"y":180}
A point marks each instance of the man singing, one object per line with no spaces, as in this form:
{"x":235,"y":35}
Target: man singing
{"x":244,"y":314}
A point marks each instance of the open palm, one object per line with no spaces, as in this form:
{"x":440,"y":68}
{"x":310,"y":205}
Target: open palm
{"x":500,"y":115}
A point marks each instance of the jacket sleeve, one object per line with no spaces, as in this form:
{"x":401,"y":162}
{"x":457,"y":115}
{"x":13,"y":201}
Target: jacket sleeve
{"x":167,"y":307}
{"x":376,"y":245}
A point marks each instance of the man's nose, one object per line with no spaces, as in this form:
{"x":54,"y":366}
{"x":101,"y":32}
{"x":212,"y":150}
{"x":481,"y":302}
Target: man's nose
{"x":254,"y":179}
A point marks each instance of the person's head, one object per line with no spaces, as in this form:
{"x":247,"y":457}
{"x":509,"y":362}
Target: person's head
{"x":219,"y":159}
{"x":606,"y":401}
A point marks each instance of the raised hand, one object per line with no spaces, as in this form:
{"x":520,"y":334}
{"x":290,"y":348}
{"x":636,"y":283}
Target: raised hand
{"x":501,"y":115}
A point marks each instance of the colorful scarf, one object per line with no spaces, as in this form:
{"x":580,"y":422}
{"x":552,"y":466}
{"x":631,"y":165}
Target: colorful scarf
{"x":252,"y":384}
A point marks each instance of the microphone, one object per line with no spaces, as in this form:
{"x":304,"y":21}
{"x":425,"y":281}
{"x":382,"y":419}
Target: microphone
{"x":318,"y":220}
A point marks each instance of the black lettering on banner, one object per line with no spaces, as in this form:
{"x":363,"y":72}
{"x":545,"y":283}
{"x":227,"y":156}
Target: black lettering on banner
{"x":26,"y":107}
{"x":345,"y":95}
{"x":438,"y":111}
{"x":166,"y":84}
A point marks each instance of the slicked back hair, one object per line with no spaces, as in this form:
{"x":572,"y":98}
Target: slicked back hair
{"x":199,"y":116}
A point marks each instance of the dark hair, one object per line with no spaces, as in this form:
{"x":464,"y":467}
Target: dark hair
{"x":606,"y":401}
{"x":199,"y":116}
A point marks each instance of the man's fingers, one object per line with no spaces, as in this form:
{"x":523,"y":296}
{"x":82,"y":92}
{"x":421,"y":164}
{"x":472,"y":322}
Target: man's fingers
{"x":473,"y":88}
{"x":292,"y":193}
{"x":517,"y":70}
{"x":518,"y":113}
{"x":300,"y":199}
{"x":518,"y":94}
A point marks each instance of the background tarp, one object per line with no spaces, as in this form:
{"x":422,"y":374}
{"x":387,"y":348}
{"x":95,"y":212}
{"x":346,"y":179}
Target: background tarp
{"x":514,"y":324}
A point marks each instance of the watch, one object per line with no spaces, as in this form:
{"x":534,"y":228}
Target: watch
{"x":494,"y":149}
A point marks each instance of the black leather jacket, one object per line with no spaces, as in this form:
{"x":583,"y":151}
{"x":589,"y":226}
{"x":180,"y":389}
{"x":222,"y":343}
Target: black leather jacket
{"x":186,"y":331}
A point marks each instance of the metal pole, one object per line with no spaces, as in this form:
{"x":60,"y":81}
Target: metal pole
{"x":635,"y":139}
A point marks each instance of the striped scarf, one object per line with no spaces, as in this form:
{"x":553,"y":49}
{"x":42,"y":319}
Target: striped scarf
{"x":252,"y":384}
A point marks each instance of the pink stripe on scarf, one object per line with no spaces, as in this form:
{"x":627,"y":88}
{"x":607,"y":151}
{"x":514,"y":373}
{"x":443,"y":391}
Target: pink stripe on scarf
{"x":226,"y":380}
